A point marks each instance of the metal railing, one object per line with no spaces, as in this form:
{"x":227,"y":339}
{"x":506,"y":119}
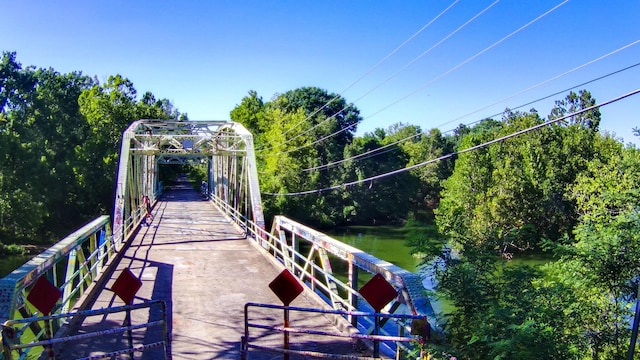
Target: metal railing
{"x":14,"y":330}
{"x":248,"y":342}
{"x":71,"y":265}
{"x":286,"y":243}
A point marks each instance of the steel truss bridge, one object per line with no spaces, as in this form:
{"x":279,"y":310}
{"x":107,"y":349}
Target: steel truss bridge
{"x":77,"y":264}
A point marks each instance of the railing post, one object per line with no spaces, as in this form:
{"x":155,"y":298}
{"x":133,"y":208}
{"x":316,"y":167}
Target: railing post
{"x":8,"y":336}
{"x":286,"y":333}
{"x":165,"y":332}
{"x":296,"y":250}
{"x":71,"y":265}
{"x":353,"y":299}
{"x":49,"y":335}
{"x":244,"y":341}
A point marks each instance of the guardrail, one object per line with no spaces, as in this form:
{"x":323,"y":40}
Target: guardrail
{"x":248,"y":342}
{"x":288,"y":239}
{"x":13,"y":331}
{"x":71,"y":265}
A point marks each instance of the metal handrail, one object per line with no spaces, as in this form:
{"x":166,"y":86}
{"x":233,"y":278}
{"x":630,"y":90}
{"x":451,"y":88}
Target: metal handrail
{"x":246,"y":344}
{"x":409,"y":285}
{"x":12,"y":330}
{"x":70,"y":265}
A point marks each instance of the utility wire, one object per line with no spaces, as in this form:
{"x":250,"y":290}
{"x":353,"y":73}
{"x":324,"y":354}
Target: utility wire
{"x":335,"y":163}
{"x":544,"y":82}
{"x":374,"y":67}
{"x":456,"y":153}
{"x":420,"y":88}
{"x":546,"y":97}
{"x":397,"y":72}
{"x":427,"y":83}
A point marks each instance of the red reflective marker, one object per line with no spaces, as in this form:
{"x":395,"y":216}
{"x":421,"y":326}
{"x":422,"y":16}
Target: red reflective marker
{"x":286,"y":287}
{"x":44,"y":296}
{"x":378,"y":292}
{"x":126,"y":286}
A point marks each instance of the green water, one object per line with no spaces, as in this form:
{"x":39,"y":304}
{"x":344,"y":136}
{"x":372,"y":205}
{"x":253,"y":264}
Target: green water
{"x":8,"y":263}
{"x":391,"y":244}
{"x":385,"y":242}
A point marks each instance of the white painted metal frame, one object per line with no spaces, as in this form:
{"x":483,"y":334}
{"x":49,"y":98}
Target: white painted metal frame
{"x":314,"y":269}
{"x":226,"y":147}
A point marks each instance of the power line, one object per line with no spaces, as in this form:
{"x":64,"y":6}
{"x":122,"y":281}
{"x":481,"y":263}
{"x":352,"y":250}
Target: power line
{"x":335,"y":163}
{"x":546,"y":81}
{"x":425,"y":84}
{"x":548,"y":96}
{"x":406,"y":66}
{"x":456,"y":153}
{"x":373,"y":68}
{"x":470,"y":58}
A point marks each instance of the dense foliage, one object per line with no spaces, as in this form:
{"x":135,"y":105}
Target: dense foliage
{"x":59,"y":143}
{"x":565,"y":189}
{"x":565,"y":192}
{"x":305,"y":141}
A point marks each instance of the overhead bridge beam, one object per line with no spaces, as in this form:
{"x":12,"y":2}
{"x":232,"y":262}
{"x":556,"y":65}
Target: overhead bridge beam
{"x":225,"y":146}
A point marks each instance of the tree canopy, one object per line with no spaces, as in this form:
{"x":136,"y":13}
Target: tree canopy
{"x":59,"y":139}
{"x":565,"y":191}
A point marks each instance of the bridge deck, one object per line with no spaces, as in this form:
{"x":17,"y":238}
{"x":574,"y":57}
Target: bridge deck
{"x":197,"y":261}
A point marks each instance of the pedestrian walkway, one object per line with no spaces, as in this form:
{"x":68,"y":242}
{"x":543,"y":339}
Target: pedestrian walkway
{"x":200,"y":263}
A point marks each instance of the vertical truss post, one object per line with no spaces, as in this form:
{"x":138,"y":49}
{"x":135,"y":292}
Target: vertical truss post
{"x":328,"y":271}
{"x":353,"y":283}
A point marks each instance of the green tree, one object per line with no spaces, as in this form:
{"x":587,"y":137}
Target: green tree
{"x":59,"y":142}
{"x":40,"y":123}
{"x":517,"y":195}
{"x":109,"y":109}
{"x":20,"y":211}
{"x":384,"y":200}
{"x":421,"y":147}
{"x":298,"y":130}
{"x":251,"y":113}
{"x":607,"y":241}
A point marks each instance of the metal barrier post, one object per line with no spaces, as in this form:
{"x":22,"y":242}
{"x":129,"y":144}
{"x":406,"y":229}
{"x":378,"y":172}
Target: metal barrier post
{"x":11,"y":342}
{"x":8,"y":336}
{"x":165,"y":332}
{"x":244,"y":341}
{"x":286,"y":333}
{"x":127,"y":322}
{"x":47,"y":330}
{"x":376,"y":342}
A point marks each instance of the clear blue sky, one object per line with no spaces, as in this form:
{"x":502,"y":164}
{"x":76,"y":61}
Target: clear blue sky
{"x":205,"y":56}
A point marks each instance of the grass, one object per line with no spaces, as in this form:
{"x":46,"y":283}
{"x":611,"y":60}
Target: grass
{"x":12,"y":249}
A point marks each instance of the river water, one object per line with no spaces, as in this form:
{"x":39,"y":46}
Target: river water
{"x":384,"y":242}
{"x":8,"y":263}
{"x":392,"y":244}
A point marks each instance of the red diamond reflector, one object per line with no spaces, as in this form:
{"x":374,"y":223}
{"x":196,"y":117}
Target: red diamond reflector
{"x":378,"y":292}
{"x":286,"y":287}
{"x":44,"y":295}
{"x":126,"y":286}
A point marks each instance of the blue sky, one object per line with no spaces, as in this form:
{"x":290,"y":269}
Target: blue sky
{"x":206,"y":56}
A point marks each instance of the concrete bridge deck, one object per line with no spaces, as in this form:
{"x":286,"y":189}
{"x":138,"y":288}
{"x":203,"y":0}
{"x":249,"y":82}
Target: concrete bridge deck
{"x":201,"y":265}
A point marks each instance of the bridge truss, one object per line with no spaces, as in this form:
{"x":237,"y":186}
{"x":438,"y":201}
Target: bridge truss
{"x":225,"y":147}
